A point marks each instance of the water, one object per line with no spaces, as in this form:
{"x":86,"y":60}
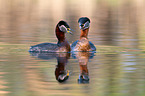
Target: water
{"x":116,"y":69}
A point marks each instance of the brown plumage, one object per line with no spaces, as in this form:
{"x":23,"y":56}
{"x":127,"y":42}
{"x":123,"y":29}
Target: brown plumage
{"x":62,"y":45}
{"x":83,"y":44}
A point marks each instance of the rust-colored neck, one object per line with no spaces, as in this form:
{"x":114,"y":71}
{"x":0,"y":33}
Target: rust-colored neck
{"x":59,"y":34}
{"x":84,"y":33}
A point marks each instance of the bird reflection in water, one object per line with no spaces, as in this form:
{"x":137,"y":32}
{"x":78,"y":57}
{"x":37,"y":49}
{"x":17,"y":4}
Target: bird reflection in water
{"x":61,"y":73}
{"x":83,"y":58}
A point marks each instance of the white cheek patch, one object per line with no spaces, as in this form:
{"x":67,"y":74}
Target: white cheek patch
{"x":80,"y":26}
{"x":63,"y":28}
{"x":87,"y":25}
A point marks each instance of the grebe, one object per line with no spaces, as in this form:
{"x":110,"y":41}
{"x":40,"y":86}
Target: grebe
{"x":62,"y":45}
{"x":83,"y":44}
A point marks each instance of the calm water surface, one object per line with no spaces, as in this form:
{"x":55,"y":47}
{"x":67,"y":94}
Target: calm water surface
{"x":116,"y":69}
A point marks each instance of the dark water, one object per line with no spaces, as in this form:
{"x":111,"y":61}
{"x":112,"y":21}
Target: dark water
{"x":116,"y":69}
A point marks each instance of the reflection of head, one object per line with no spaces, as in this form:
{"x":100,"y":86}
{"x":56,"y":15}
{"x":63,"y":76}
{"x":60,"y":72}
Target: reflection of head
{"x":83,"y":79}
{"x":61,"y":76}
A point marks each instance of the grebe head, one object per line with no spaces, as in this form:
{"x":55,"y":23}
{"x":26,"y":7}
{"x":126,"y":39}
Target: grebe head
{"x":64,"y":27}
{"x":84,"y":23}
